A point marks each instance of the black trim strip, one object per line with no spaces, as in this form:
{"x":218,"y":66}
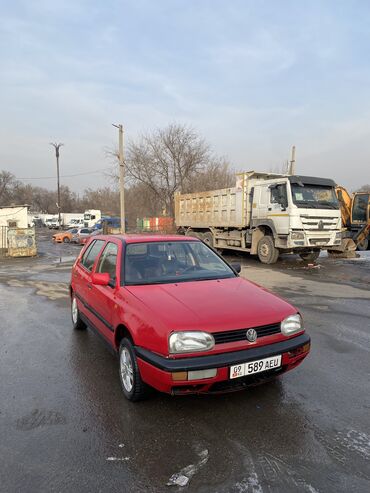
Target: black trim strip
{"x":97,"y":332}
{"x":223,"y":359}
{"x":95,"y":313}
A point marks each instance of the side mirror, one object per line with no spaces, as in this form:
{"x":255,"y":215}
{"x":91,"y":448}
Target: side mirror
{"x":236,"y":267}
{"x":100,"y":279}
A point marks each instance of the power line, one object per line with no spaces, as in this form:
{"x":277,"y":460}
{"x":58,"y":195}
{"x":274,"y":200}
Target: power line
{"x":64,"y":176}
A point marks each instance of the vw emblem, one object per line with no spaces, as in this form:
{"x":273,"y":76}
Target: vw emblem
{"x":251,"y":335}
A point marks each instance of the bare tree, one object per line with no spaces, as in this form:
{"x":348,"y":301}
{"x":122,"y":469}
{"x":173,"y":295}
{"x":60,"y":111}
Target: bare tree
{"x":7,"y":186}
{"x":216,"y":175}
{"x":166,"y":160}
{"x":364,"y":188}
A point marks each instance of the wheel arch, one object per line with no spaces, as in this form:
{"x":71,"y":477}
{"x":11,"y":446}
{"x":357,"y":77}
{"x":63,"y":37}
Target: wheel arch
{"x":120,"y":332}
{"x":259,"y":232}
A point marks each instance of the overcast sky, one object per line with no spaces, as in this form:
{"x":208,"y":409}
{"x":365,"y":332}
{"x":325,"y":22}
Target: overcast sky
{"x":253,"y":77}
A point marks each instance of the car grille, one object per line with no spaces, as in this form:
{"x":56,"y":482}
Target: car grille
{"x":241,"y":334}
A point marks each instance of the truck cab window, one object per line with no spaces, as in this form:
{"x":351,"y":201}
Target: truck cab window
{"x":278,"y":195}
{"x":360,"y":206}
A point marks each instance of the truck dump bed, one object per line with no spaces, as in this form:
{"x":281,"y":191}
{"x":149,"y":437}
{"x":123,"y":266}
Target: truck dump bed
{"x":225,"y":208}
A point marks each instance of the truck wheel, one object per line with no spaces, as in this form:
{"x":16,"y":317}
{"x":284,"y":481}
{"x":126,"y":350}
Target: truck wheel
{"x":77,"y":323}
{"x":66,"y":239}
{"x":266,"y":251}
{"x":132,"y":385}
{"x":311,"y":256}
{"x":364,"y":245}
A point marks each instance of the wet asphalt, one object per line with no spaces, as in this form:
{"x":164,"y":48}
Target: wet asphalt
{"x":65,"y":425}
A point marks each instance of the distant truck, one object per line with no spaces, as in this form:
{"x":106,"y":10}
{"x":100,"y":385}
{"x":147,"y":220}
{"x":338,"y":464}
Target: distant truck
{"x":91,"y":217}
{"x":67,"y":220}
{"x":265,"y":214}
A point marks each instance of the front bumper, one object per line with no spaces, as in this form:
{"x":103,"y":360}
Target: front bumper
{"x":157,"y":370}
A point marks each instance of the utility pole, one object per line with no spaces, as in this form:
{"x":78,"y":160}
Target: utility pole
{"x":57,"y":147}
{"x":121,"y":176}
{"x":292,"y":162}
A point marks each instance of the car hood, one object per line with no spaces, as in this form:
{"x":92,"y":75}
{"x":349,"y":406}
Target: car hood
{"x":214,"y":305}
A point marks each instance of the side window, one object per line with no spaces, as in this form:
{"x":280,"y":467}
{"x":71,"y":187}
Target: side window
{"x":279,"y":195}
{"x":108,"y":260}
{"x":360,"y":206}
{"x":91,"y":253}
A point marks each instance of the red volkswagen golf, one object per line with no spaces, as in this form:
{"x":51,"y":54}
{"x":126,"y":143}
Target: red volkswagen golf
{"x":180,"y":317}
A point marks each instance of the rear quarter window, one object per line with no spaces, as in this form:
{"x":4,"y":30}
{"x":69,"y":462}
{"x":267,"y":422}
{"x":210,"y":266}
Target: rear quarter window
{"x":88,"y":258}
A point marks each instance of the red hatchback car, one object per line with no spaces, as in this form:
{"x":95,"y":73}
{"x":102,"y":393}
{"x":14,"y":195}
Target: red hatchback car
{"x":180,"y":317}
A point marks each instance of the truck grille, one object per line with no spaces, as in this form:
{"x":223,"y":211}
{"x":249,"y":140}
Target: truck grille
{"x":240,"y":334}
{"x":319,"y":223}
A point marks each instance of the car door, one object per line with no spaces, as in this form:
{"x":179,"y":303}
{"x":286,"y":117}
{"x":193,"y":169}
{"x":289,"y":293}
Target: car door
{"x":104,"y":298}
{"x":277,"y":207}
{"x":82,"y":276}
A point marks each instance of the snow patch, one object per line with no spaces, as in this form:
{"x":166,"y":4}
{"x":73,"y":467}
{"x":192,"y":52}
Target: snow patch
{"x":118,"y":458}
{"x":183,"y":477}
{"x":249,"y":485}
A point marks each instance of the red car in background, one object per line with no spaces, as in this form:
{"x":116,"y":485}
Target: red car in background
{"x":180,"y":317}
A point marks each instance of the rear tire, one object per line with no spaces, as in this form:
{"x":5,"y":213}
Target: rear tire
{"x":266,"y":250}
{"x":77,"y":323}
{"x":133,"y":387}
{"x":310,"y":257}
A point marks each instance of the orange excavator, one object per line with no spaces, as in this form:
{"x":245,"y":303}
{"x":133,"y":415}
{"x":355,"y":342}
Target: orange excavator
{"x":355,"y":211}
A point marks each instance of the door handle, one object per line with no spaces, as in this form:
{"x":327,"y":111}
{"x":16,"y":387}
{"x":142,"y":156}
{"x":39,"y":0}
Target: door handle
{"x":89,"y":286}
{"x":269,"y":208}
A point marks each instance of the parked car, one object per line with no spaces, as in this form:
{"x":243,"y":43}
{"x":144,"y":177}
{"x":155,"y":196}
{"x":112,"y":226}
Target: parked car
{"x":81,"y":232}
{"x":180,"y":317}
{"x":84,"y":239}
{"x":65,"y":236}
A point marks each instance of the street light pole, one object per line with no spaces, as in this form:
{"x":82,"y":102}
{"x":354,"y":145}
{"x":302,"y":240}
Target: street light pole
{"x":57,"y":147}
{"x":121,"y":177}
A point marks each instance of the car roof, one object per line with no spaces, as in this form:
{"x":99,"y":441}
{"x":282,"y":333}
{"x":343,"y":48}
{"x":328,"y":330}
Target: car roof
{"x":142,"y":238}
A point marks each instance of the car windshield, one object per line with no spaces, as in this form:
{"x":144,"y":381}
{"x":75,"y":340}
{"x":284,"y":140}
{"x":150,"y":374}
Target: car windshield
{"x":169,"y":262}
{"x":314,"y":196}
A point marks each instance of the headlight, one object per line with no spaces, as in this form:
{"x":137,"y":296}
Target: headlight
{"x":190,"y":342}
{"x":338,"y":236}
{"x":297,"y":235}
{"x":292,"y":324}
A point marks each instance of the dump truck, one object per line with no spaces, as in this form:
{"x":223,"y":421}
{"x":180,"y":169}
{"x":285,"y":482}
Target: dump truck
{"x":265,"y":214}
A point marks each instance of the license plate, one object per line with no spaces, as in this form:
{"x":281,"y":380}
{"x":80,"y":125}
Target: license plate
{"x":257,"y":366}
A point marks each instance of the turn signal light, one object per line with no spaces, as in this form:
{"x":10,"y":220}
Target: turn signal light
{"x":300,"y":350}
{"x":194,"y":375}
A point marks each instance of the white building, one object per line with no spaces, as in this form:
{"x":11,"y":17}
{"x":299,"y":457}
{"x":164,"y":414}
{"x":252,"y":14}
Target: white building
{"x":12,"y":216}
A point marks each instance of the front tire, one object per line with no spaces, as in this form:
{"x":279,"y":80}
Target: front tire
{"x":133,"y":387}
{"x":266,"y":250}
{"x":66,"y":239}
{"x":77,"y":323}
